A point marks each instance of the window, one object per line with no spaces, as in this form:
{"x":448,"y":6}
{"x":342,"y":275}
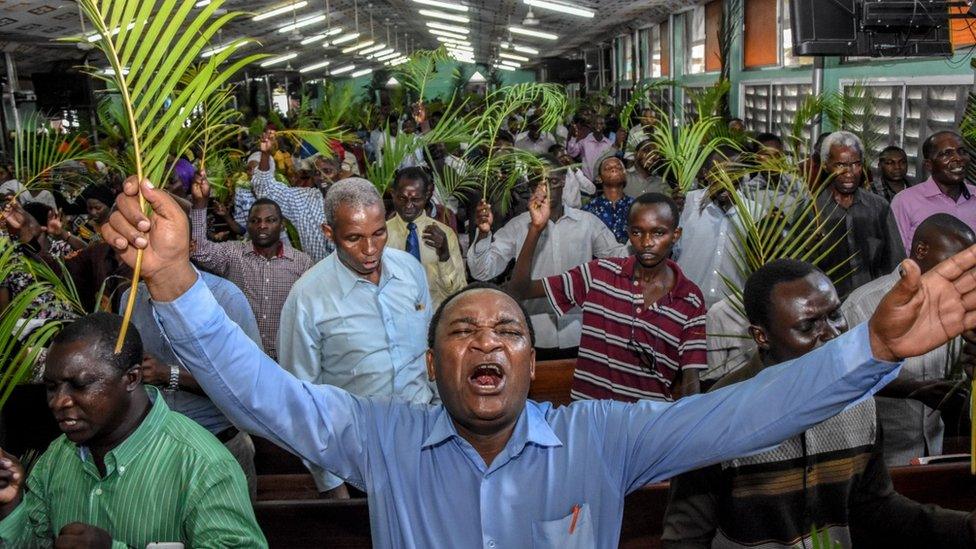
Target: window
{"x":905,"y":114}
{"x":771,"y":107}
{"x":695,"y":36}
{"x":643,"y":51}
{"x":654,"y":67}
{"x":786,"y":38}
{"x":626,"y":44}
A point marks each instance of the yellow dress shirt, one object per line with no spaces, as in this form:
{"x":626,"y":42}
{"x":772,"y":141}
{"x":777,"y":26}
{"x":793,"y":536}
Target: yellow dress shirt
{"x":443,"y":277}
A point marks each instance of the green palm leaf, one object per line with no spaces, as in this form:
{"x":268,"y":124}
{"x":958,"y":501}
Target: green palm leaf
{"x":417,"y":72}
{"x":39,"y":150}
{"x":150,"y":45}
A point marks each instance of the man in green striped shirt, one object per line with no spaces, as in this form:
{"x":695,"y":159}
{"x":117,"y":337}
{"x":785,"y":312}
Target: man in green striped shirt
{"x":127,"y":472}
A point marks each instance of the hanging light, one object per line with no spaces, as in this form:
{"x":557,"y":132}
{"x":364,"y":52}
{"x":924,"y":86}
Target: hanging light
{"x":279,"y":59}
{"x":280,"y":10}
{"x":302,"y":23}
{"x":361,"y":72}
{"x":315,"y":66}
{"x":504,"y":67}
{"x":320,"y":37}
{"x":515,"y":64}
{"x":341,"y":70}
{"x":382,"y":53}
{"x":359,"y":46}
{"x":443,"y":5}
{"x":529,"y":32}
{"x":560,"y":8}
{"x":448,"y":28}
{"x":445,"y":34}
{"x":372,"y":49}
{"x":344,"y":38}
{"x":445,"y":16}
{"x":507,"y":55}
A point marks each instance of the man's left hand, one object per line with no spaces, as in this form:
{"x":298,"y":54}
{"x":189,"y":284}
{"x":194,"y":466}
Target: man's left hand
{"x":435,"y":238}
{"x":78,"y":535}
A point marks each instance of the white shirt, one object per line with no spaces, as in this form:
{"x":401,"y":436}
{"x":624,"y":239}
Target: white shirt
{"x":577,"y":237}
{"x":576,"y":184}
{"x":708,"y":245}
{"x":909,"y":426}
{"x":525,"y":143}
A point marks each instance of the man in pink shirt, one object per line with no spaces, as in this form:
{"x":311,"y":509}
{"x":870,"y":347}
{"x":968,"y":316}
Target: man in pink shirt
{"x":945,"y":191}
{"x":591,"y":146}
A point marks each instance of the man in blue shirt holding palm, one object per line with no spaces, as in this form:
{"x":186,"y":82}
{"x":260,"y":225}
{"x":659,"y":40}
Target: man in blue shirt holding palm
{"x":487,"y":467}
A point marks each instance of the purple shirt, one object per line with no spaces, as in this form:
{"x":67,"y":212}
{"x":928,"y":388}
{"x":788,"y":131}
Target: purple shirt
{"x":591,"y":150}
{"x":915,"y":204}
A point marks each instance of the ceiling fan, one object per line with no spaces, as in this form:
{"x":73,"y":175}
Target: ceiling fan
{"x":530,"y":20}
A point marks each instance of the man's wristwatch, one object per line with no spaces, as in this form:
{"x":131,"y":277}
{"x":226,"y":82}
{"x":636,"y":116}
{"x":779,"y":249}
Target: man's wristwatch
{"x":174,"y":379}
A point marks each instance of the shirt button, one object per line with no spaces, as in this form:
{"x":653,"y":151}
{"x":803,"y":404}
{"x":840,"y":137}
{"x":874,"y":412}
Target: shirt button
{"x":98,"y":492}
{"x":638,"y":309}
{"x":491,"y":543}
{"x":267,"y":280}
{"x":122,"y":468}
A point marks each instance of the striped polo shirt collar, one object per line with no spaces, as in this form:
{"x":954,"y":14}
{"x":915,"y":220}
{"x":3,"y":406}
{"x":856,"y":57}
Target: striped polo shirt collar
{"x":682,"y":289}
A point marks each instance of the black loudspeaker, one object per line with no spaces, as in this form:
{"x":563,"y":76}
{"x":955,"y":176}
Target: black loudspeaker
{"x":565,"y":71}
{"x":824,"y":27}
{"x":62,"y":90}
{"x":875,"y":28}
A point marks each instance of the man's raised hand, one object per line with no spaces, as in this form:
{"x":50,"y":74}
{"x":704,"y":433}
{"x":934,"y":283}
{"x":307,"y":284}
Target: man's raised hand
{"x":164,"y":238}
{"x":922,"y":312}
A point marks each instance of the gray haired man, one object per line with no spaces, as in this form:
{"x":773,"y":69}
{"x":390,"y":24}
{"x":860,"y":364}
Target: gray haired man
{"x":860,"y":231}
{"x":358,"y":319}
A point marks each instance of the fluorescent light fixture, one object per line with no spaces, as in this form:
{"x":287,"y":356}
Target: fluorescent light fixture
{"x":466,"y":47}
{"x":453,"y":41}
{"x":344,"y":38}
{"x":388,"y":56}
{"x":445,"y":34}
{"x":382,"y":53}
{"x":525,"y":49}
{"x":202,"y":3}
{"x":358,"y":46}
{"x":515,"y":64}
{"x":96,"y":37}
{"x":279,"y":59}
{"x":559,"y":7}
{"x":529,"y":32}
{"x":315,"y":66}
{"x":443,"y":5}
{"x":320,"y":37}
{"x":399,"y":61}
{"x":507,"y":55}
{"x":445,"y":16}
{"x":280,"y":10}
{"x":504,"y":67}
{"x":372,"y":49}
{"x":214,"y":51}
{"x":341,"y":70}
{"x":448,"y":28}
{"x":518,"y":47}
{"x":303,"y":23}
{"x":361,"y":72}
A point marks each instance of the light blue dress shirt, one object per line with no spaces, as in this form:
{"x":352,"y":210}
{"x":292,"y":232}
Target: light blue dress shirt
{"x":337,"y":328}
{"x":428,"y":487}
{"x":196,"y":407}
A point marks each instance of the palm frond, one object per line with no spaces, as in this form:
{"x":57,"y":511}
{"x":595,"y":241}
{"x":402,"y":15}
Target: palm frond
{"x":39,"y":150}
{"x":417,"y":72}
{"x":150,"y":45}
{"x":685,"y":149}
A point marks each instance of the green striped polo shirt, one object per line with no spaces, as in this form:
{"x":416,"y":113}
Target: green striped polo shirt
{"x":169,"y":481}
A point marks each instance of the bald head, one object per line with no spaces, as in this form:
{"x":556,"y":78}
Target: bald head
{"x":939,"y":237}
{"x":473,"y":291}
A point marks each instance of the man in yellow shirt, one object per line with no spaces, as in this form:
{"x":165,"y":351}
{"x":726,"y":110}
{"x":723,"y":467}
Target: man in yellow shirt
{"x":433,"y":243}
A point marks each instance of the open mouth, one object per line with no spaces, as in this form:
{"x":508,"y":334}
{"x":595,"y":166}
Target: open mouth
{"x":959,"y":171}
{"x":487,"y":378}
{"x":68,"y":425}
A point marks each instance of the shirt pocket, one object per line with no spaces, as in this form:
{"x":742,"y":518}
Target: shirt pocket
{"x":556,"y":533}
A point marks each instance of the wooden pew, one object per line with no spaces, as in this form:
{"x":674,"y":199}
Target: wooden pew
{"x":296,"y":521}
{"x":553,"y":379}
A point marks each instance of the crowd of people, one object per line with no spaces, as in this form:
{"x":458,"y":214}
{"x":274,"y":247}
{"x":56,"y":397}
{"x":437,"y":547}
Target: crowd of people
{"x":390,"y":339}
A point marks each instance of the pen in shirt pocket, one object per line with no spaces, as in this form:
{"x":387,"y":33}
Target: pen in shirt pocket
{"x":572,"y":524}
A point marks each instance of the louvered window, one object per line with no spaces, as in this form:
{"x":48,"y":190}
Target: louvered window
{"x":626,"y":44}
{"x":905,"y":114}
{"x":772,"y":107}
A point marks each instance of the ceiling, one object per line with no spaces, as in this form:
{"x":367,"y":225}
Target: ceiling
{"x":28,"y":26}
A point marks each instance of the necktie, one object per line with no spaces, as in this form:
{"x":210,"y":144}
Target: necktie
{"x":413,"y":243}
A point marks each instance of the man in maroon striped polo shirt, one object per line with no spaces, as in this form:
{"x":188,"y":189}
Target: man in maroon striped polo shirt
{"x":643,"y":321}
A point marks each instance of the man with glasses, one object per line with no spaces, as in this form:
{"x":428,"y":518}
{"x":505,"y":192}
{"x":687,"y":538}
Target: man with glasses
{"x":432,"y":243}
{"x":571,"y":237}
{"x":945,"y":191}
{"x":861,"y":241}
{"x":643,"y":321}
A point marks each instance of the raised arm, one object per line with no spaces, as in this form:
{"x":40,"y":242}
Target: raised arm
{"x":213,"y":256}
{"x":293,"y":201}
{"x":919,"y":314}
{"x":323,"y":424}
{"x":490,"y":254}
{"x":521,"y":285}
